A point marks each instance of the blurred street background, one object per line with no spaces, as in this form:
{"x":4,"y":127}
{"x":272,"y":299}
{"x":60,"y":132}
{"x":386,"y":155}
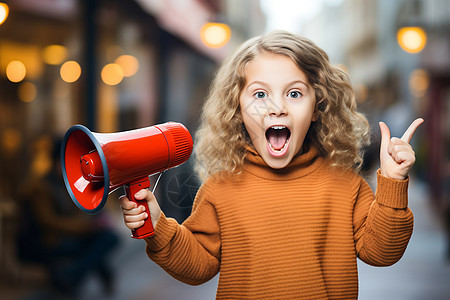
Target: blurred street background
{"x":115,"y":65}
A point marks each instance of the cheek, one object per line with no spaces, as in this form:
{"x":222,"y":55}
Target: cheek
{"x":303,"y":123}
{"x":253,"y":130}
{"x":246,"y":119}
{"x":253,"y":127}
{"x":252,"y":114}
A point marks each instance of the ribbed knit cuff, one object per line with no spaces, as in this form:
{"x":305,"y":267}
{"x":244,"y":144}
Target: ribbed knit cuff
{"x":392,"y":193}
{"x":164,"y":231}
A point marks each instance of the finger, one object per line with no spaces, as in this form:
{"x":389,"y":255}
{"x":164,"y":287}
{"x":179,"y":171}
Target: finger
{"x":400,"y":150}
{"x":405,"y":158}
{"x":407,"y":136}
{"x":125,"y":203}
{"x":135,"y":211}
{"x":144,"y":194}
{"x":134,"y":225}
{"x":135,"y":218}
{"x":385,"y":136}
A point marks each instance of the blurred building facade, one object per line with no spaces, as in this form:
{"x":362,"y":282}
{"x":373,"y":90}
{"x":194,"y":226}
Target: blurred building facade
{"x":391,"y":83}
{"x":111,"y":65}
{"x":166,"y":71}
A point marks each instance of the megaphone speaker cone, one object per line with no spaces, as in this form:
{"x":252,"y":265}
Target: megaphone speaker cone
{"x":89,"y":195}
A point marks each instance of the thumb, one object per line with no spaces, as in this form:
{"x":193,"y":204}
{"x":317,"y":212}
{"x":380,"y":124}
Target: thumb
{"x":385,"y":136}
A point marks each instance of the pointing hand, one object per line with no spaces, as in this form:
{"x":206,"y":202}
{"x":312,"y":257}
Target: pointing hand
{"x":396,"y":155}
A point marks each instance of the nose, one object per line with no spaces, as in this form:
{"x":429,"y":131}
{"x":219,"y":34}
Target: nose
{"x":277,"y":107}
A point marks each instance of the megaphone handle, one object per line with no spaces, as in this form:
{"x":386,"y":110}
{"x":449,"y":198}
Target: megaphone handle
{"x":131,"y":189}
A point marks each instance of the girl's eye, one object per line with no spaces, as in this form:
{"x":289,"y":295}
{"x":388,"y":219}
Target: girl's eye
{"x":260,"y":95}
{"x":295,"y":94}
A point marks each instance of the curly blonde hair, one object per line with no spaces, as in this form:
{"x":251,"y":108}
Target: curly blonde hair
{"x":339,"y":134}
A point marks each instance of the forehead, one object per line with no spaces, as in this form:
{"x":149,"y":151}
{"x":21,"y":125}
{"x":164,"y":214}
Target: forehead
{"x":273,"y":67}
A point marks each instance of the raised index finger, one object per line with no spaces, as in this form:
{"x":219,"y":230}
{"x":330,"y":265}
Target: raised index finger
{"x":407,"y":136}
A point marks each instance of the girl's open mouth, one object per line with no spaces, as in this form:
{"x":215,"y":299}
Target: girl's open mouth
{"x":278,"y":140}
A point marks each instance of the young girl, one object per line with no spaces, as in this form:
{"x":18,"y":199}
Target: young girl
{"x":282,"y":212}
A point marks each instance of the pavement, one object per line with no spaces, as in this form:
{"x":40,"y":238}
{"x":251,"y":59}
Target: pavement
{"x":422,"y":273}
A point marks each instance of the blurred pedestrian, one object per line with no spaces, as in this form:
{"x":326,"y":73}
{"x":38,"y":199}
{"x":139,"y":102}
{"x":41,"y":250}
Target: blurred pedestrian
{"x":70,"y":244}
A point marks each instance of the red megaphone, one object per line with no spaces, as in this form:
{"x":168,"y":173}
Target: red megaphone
{"x":95,"y":164}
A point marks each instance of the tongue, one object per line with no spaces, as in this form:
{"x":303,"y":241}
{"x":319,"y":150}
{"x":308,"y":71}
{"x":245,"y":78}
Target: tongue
{"x":277,"y":137}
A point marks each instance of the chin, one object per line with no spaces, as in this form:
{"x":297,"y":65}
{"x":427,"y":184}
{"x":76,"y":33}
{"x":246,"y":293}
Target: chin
{"x":277,"y":163}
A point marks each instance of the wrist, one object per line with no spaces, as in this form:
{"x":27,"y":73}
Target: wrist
{"x":391,"y":193}
{"x":164,"y":231}
{"x":389,"y":176}
{"x":393,"y":176}
{"x":155,"y":220}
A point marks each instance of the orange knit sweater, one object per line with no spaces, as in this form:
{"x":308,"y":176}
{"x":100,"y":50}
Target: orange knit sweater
{"x":293,"y":233}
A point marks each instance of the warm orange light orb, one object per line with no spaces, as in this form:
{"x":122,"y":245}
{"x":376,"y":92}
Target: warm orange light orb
{"x":129,"y":64}
{"x":412,"y":39}
{"x":215,"y":35}
{"x":112,"y":74}
{"x":70,"y":71}
{"x":16,"y":71}
{"x":54,"y":54}
{"x":27,"y":92}
{"x":419,"y":82}
{"x":4,"y":12}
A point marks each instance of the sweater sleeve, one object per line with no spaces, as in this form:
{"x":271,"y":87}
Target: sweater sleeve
{"x":189,"y":252}
{"x":382,"y":226}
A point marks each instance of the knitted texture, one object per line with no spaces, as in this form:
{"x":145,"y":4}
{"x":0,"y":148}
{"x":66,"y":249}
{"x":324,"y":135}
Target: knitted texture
{"x":293,"y":233}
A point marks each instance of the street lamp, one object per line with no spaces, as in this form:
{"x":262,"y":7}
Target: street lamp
{"x":215,"y":35}
{"x":412,"y":39}
{"x":4,"y":12}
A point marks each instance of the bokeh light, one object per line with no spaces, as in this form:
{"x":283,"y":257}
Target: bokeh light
{"x":4,"y":12}
{"x":112,"y":74}
{"x":54,"y":54}
{"x":129,"y":64}
{"x":70,"y":71}
{"x":16,"y":71}
{"x":10,"y":139}
{"x":419,"y":81}
{"x":215,"y":35}
{"x":412,"y":39}
{"x":27,"y":92}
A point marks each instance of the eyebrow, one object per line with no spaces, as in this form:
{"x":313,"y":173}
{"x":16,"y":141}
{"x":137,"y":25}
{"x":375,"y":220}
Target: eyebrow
{"x":289,"y":84}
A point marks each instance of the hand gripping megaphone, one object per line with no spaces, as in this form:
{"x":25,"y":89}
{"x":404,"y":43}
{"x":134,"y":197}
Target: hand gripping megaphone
{"x":96,"y":164}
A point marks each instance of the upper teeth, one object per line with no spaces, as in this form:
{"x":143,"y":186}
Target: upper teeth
{"x":278,"y":127}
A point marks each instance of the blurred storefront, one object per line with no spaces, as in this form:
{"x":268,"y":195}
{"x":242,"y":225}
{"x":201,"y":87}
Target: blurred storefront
{"x":116,"y":65}
{"x":397,"y":55}
{"x":111,"y":65}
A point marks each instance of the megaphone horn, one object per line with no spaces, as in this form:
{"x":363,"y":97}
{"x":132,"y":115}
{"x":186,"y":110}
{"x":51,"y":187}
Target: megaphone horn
{"x":95,"y":164}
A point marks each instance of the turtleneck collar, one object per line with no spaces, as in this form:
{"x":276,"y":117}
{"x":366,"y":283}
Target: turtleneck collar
{"x":301,"y":165}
